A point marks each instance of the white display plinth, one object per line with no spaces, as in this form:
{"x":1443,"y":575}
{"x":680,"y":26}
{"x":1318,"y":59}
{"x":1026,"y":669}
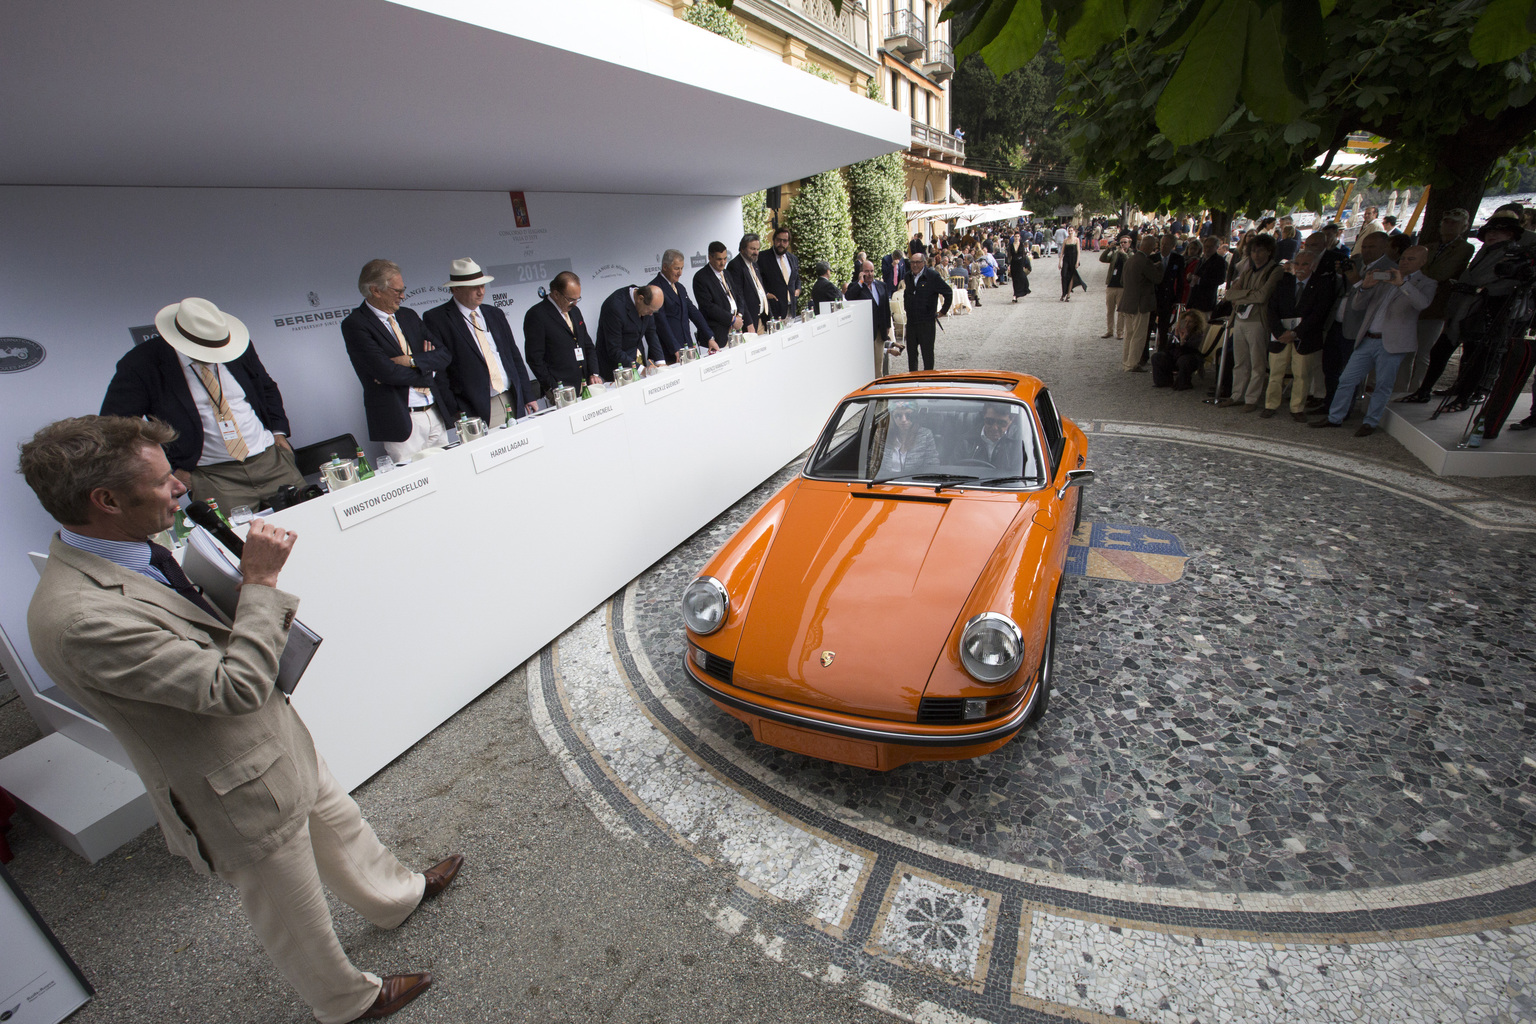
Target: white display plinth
{"x":1512,"y":453}
{"x":425,"y":605}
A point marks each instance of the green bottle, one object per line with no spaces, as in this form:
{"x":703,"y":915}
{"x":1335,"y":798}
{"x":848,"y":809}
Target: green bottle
{"x":218,"y":511}
{"x":586,"y":391}
{"x":180,"y":528}
{"x":364,"y":471}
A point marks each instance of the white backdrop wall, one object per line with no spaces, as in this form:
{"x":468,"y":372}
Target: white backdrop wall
{"x":81,"y":267}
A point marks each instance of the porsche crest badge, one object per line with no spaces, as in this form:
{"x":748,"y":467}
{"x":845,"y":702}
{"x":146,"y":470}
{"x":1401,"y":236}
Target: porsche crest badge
{"x":826,"y":658}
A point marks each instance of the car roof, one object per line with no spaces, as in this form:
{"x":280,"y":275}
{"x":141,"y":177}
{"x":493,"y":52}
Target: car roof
{"x":980,"y":383}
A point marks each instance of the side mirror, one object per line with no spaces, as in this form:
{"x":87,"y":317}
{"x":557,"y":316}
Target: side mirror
{"x":1075,"y":478}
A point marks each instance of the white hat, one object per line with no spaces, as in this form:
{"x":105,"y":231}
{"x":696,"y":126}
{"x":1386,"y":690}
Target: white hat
{"x":196,"y":328}
{"x":466,"y":273}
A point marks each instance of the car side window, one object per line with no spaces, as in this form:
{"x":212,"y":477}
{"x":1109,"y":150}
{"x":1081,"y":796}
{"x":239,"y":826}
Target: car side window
{"x":1050,"y":423}
{"x":846,"y":448}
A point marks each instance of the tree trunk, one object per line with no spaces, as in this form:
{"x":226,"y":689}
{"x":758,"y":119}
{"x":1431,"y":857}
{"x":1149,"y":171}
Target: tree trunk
{"x":1221,"y":224}
{"x":1469,"y":179}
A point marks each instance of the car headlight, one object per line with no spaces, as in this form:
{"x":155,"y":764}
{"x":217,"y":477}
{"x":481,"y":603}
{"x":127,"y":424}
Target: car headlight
{"x":991,"y":647}
{"x":705,"y":603}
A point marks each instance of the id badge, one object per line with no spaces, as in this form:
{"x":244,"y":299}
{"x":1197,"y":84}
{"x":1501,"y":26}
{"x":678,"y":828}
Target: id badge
{"x":230,"y":431}
{"x":581,"y":356}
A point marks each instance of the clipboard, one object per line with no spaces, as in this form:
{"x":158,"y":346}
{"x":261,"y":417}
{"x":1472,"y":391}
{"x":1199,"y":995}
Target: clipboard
{"x":207,"y":564}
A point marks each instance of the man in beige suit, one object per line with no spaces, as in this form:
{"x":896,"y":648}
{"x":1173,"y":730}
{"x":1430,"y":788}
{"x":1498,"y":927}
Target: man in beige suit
{"x":230,"y":768}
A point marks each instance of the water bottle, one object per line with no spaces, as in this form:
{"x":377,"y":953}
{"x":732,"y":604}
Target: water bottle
{"x":213,"y":504}
{"x":364,"y":471}
{"x":1475,"y":440}
{"x":586,"y":390}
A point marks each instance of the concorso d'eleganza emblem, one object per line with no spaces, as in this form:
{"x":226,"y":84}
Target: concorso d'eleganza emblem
{"x":1126,"y":552}
{"x":18,"y":354}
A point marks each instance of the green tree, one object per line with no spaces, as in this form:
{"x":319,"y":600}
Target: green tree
{"x":821,"y":226}
{"x":717,"y":18}
{"x":876,"y":190}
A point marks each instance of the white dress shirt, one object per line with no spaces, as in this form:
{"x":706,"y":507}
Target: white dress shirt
{"x":417,"y":399}
{"x":257,"y":437}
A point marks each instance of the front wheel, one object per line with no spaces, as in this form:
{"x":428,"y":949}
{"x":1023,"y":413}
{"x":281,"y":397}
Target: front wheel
{"x":1042,"y":696}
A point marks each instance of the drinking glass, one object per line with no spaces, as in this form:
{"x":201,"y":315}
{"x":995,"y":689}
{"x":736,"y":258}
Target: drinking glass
{"x":385,"y":464}
{"x":240,"y":515}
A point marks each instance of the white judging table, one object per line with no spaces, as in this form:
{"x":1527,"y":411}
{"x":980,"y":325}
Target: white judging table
{"x":430,"y":583}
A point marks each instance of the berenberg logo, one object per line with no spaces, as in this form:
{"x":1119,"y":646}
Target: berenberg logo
{"x":18,"y":354}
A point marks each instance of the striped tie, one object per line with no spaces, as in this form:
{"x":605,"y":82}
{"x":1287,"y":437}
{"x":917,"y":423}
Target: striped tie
{"x":221,"y":412}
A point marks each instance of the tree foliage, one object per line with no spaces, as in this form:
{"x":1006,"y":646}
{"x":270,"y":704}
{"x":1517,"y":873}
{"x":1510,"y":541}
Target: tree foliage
{"x":876,"y":191}
{"x":821,"y":226}
{"x":716,"y":18}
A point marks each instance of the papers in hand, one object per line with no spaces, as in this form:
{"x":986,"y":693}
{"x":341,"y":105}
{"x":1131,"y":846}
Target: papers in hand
{"x":207,"y":564}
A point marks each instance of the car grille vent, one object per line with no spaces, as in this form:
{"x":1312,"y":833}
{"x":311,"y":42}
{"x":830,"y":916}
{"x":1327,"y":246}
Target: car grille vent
{"x":714,"y":665}
{"x":935,"y":710}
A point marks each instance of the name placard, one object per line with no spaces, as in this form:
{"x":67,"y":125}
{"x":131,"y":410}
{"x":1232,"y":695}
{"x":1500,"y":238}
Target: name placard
{"x":759,"y":350}
{"x":714,"y":366}
{"x":502,"y":447}
{"x":671,"y":384}
{"x":820,"y":327}
{"x":594,"y":411}
{"x":358,"y":505}
{"x":845,"y":317}
{"x":794,"y":337}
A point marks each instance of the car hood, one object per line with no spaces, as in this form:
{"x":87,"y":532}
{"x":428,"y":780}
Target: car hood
{"x":873,"y":581}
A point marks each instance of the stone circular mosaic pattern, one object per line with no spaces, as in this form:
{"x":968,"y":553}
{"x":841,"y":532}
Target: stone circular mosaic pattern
{"x":1333,"y":696}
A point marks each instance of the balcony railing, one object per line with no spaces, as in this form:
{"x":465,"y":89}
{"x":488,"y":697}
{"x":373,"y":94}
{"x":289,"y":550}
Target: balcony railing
{"x":847,"y":25}
{"x":941,"y":60}
{"x":924,"y":137}
{"x":906,"y":34}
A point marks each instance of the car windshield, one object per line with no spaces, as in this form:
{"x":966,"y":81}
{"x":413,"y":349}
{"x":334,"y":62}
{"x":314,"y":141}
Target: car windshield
{"x":970,"y":441}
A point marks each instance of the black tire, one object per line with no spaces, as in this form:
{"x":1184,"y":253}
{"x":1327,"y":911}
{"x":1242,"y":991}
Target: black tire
{"x":1042,"y":697}
{"x":1077,"y":514}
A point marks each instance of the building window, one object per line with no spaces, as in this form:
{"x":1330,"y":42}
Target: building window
{"x":928,"y":191}
{"x":895,"y":91}
{"x":913,"y":108}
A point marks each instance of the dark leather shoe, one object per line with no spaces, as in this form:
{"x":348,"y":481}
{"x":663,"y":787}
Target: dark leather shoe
{"x":1526,"y":424}
{"x":1365,"y":431}
{"x":441,"y":874}
{"x":397,"y":990}
{"x":1324,"y":423}
{"x":1299,"y":417}
{"x":1267,"y":413}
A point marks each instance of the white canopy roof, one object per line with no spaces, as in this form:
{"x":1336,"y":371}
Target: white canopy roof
{"x":576,"y":96}
{"x":966,"y":214}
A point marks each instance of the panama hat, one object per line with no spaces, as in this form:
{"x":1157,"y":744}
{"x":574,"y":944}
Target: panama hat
{"x":466,"y":273}
{"x":200,"y":330}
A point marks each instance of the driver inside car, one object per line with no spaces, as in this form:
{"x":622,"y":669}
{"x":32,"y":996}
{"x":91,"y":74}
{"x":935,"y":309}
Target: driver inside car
{"x":999,"y":445}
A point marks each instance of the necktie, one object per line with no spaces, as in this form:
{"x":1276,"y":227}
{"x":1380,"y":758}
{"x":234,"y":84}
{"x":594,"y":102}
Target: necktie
{"x":405,"y":350}
{"x":161,"y":558}
{"x":210,"y":377}
{"x":729,"y":296}
{"x":489,"y":354}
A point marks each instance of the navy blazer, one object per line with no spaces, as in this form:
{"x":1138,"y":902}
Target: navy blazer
{"x":551,"y":346}
{"x":923,"y":296}
{"x":1314,"y":306}
{"x":824,"y":289}
{"x":752,"y":311}
{"x":623,"y":335}
{"x":150,"y":382}
{"x":892,"y":271}
{"x":677,"y":311}
{"x":780,"y":292}
{"x":880,"y":312}
{"x":387,"y":385}
{"x":468,"y":376}
{"x":714,"y":303}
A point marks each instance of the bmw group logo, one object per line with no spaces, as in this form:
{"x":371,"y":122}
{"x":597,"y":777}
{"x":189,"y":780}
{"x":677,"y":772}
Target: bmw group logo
{"x":17,"y":354}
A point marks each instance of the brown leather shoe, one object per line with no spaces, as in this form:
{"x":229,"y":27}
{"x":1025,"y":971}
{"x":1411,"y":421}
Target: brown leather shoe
{"x":397,"y":990}
{"x":441,"y":874}
{"x":1267,"y":413}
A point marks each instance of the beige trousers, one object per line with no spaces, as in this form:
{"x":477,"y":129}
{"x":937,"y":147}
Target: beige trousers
{"x":233,"y":484}
{"x":1300,"y":368}
{"x":1250,"y":356}
{"x":285,"y":903}
{"x":1136,"y":327}
{"x":1112,"y":312}
{"x":427,"y":431}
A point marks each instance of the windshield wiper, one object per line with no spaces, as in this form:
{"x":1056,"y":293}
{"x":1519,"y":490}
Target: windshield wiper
{"x":1001,"y":479}
{"x":943,"y":479}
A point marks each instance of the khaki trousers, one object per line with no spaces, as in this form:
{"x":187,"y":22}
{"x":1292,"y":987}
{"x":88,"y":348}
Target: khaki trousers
{"x":1250,"y":355}
{"x":233,"y":484}
{"x":881,"y":361}
{"x":1112,"y":312}
{"x":427,"y":431}
{"x":1136,"y":327}
{"x":285,"y":903}
{"x":1300,"y":368}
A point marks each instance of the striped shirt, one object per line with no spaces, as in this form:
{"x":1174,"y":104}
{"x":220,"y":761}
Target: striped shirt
{"x":132,"y":555}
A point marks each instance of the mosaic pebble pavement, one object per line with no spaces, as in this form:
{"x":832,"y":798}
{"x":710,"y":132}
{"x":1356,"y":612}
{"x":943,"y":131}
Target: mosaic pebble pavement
{"x":1296,"y":783}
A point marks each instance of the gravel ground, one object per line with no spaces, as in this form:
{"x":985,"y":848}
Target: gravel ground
{"x":553,"y":919}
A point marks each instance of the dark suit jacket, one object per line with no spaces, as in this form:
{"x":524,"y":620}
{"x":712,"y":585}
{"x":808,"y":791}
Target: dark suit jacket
{"x":1006,"y":457}
{"x":468,"y":376}
{"x":780,"y":292}
{"x":1212,"y":271}
{"x":387,"y":385}
{"x":880,"y":311}
{"x":736,"y":271}
{"x":892,"y":271}
{"x":551,"y":346}
{"x":150,"y":382}
{"x":921,"y":297}
{"x":713,"y":302}
{"x":1173,"y":275}
{"x":623,"y":335}
{"x":825,"y":291}
{"x":1314,"y":306}
{"x":677,"y":311}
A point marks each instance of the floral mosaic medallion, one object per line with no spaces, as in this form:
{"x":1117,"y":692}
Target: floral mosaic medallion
{"x":939,"y":925}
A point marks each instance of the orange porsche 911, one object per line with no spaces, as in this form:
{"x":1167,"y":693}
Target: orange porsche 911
{"x":896,"y":601}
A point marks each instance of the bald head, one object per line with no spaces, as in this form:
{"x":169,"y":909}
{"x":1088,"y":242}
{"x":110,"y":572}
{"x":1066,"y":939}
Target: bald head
{"x":1413,"y":258}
